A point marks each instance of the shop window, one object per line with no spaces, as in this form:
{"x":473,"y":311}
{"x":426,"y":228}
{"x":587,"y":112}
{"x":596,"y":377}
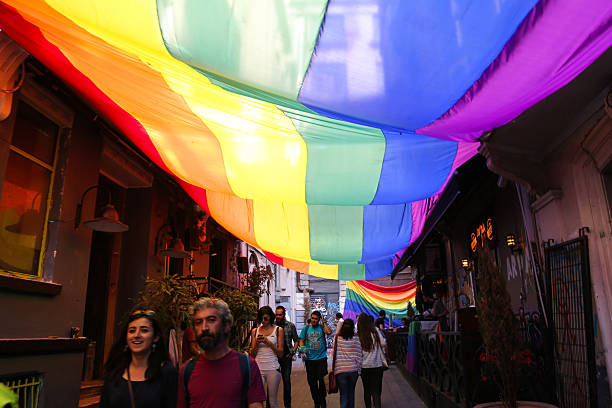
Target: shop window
{"x":25,"y":192}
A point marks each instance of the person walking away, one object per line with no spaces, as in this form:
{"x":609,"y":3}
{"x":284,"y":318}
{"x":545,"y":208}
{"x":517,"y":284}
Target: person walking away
{"x":372,"y":344}
{"x":380,"y":322}
{"x":267,"y":346}
{"x":219,"y":376}
{"x":313,"y":344}
{"x":138,"y":371}
{"x":286,"y":361}
{"x":348,"y":362}
{"x":189,"y":346}
{"x":338,"y":322}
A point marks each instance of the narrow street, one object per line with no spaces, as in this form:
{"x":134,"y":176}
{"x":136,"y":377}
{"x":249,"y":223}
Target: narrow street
{"x":397,"y":393}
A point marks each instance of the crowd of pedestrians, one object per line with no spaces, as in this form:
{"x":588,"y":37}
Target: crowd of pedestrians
{"x":139,"y":373}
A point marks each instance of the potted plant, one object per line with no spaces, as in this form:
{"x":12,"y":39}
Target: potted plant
{"x":499,"y":330}
{"x":244,"y":309}
{"x":170,"y":298}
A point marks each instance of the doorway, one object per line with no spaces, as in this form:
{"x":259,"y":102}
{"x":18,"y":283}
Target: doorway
{"x":102,"y":280}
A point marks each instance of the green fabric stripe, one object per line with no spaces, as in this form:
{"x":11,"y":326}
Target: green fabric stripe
{"x":344,"y":159}
{"x":335,"y":233}
{"x":351,"y":272}
{"x":241,"y":89}
{"x":264,"y":44}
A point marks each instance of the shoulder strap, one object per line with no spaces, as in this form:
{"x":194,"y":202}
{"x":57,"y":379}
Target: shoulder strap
{"x":335,"y":351}
{"x":245,"y":371}
{"x":187,"y":370}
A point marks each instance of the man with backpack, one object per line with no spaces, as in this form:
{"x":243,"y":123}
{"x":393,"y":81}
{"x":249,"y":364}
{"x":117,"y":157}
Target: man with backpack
{"x":313,"y":344}
{"x":219,"y":376}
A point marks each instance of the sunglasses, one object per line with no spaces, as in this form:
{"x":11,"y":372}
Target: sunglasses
{"x":147,"y":312}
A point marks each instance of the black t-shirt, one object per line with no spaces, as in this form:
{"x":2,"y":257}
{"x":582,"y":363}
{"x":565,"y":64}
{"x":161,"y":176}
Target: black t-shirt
{"x":159,"y":392}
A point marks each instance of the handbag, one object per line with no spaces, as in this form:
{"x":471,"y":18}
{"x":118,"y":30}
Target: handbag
{"x":383,"y":357}
{"x":333,"y":384}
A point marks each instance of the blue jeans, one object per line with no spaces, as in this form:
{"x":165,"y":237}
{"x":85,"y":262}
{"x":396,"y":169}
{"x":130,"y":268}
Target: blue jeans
{"x":346,"y":386}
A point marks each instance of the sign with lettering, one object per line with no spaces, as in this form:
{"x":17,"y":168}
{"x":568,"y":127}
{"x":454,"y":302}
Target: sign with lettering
{"x":481,"y":235}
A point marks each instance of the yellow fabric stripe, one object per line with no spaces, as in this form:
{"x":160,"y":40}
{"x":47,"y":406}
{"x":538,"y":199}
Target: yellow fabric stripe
{"x":324,"y":271}
{"x":282,"y":228}
{"x":259,"y":142}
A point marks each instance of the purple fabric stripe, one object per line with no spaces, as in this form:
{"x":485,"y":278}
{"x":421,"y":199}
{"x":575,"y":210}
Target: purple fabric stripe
{"x":555,"y":42}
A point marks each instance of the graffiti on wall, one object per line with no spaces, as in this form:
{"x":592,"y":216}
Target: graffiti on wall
{"x":328,"y":312}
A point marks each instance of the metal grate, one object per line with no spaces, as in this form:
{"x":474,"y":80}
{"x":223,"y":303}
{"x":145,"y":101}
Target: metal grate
{"x":569,"y":303}
{"x":27,"y":387}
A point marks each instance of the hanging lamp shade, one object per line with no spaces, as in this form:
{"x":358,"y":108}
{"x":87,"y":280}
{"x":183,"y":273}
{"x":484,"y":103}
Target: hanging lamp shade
{"x":324,"y":146}
{"x":176,"y":250}
{"x":108,"y":222}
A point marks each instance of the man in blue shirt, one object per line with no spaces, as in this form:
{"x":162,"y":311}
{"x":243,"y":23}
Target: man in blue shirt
{"x":313,"y":344}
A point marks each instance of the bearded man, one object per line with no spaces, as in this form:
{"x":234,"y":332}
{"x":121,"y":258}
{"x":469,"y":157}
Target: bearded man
{"x":216,"y":377}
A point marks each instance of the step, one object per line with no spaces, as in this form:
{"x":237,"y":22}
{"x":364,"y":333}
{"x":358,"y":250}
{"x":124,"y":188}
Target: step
{"x":89,"y":402}
{"x":91,"y":388}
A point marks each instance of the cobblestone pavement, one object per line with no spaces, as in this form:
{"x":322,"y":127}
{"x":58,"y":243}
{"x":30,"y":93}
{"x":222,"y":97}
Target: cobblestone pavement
{"x":397,"y":393}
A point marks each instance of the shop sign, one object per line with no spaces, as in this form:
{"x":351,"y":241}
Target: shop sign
{"x":482,"y":235}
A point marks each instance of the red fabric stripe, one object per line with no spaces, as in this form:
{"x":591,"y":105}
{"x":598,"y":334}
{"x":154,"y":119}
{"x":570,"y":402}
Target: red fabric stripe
{"x":32,"y":40}
{"x":385,"y":289}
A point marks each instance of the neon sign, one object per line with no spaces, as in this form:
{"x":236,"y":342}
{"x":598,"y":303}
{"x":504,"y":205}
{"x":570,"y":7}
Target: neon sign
{"x":482,"y":234}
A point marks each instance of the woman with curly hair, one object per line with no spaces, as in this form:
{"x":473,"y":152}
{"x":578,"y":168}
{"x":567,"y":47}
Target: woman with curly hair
{"x":138,"y":373}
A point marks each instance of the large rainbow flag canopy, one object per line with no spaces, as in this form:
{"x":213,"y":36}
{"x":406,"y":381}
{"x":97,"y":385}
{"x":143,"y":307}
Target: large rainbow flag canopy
{"x":366,"y":297}
{"x":319,"y":131}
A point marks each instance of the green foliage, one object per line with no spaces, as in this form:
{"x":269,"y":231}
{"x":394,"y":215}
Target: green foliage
{"x":170,"y":298}
{"x":244,"y":309}
{"x":410,"y":312}
{"x":498,"y":326}
{"x":257,"y":280}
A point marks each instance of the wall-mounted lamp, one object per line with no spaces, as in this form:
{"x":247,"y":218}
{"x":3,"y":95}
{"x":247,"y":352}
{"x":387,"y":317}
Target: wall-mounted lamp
{"x":108,"y":222}
{"x":513,"y":243}
{"x":174,"y":247}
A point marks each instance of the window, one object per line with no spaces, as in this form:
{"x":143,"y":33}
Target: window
{"x":26,"y":387}
{"x":25,"y":192}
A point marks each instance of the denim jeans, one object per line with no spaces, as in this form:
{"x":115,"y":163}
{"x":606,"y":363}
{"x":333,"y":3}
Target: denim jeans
{"x":346,"y":386}
{"x":285,"y":367}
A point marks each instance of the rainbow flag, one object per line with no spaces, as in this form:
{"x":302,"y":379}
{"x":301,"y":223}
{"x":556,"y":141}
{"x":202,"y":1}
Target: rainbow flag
{"x":366,"y":297}
{"x":322,"y":132}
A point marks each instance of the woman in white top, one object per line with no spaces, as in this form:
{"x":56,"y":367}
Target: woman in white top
{"x":266,"y":347}
{"x":373,"y":344}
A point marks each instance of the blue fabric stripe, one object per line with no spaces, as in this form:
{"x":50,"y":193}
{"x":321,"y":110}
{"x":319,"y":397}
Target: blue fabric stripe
{"x":404,"y":63}
{"x":386,"y":230}
{"x":378,"y":269}
{"x":415,"y":167}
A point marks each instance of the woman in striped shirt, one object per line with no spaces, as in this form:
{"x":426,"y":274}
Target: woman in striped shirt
{"x":348,"y":362}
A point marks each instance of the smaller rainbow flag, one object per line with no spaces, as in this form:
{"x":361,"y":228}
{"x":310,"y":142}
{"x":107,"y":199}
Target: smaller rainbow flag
{"x":363,"y":296}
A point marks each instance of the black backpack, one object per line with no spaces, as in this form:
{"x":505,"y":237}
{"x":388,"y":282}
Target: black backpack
{"x":245,"y":372}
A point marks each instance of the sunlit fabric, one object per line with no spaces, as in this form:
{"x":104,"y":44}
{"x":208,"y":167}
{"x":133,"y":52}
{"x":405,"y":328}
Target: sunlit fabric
{"x":321,"y":132}
{"x":366,"y":297}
